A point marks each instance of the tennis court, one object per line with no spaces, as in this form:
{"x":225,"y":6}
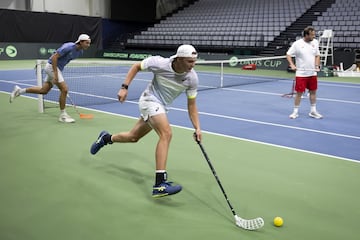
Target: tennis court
{"x":304,"y":170}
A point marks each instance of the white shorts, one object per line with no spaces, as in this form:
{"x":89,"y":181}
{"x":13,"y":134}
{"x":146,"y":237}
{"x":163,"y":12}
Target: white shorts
{"x":50,"y":74}
{"x":150,"y":108}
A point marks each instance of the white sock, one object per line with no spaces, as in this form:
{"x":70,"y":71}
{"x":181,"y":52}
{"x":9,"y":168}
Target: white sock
{"x":296,"y":109}
{"x":22,"y":90}
{"x":313,"y":108}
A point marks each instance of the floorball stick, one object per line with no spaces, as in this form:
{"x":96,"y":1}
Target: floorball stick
{"x":82,"y":115}
{"x":248,"y":224}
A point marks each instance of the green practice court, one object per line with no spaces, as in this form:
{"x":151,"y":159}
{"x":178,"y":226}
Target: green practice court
{"x":52,"y":188}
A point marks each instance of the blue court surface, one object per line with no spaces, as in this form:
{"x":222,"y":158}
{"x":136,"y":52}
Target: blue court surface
{"x":255,"y":112}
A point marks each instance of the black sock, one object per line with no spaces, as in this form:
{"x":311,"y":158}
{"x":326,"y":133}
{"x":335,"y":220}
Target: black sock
{"x":160,"y":178}
{"x":107,"y":139}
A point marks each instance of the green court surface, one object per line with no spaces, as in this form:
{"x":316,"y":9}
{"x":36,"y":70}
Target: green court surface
{"x":53,"y":188}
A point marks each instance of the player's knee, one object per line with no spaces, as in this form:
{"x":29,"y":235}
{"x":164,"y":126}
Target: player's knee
{"x":167,"y":135}
{"x":64,"y":91}
{"x":44,"y":91}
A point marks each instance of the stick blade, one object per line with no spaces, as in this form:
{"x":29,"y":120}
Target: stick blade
{"x":251,"y":224}
{"x":288,"y":95}
{"x":86,"y":116}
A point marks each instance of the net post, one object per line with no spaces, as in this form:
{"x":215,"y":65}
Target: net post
{"x":222,"y":75}
{"x":39,"y":83}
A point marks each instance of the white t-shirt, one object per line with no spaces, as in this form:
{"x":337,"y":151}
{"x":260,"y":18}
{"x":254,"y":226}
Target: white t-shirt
{"x":304,"y":53}
{"x":166,"y":84}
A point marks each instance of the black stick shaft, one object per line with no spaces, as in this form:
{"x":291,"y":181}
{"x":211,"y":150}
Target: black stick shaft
{"x":216,"y":177}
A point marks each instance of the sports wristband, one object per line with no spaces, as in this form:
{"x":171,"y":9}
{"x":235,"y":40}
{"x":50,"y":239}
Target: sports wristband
{"x":124,"y":86}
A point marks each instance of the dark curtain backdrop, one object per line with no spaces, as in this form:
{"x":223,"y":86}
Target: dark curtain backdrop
{"x":136,"y":11}
{"x":38,"y":27}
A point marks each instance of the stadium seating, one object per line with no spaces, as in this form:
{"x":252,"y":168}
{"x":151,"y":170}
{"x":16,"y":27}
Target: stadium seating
{"x":343,"y":17}
{"x":226,"y":23}
{"x":229,"y":24}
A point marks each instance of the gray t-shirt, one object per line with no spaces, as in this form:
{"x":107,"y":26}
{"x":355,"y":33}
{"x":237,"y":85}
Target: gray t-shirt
{"x":166,"y":84}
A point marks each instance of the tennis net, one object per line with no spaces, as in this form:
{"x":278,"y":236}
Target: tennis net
{"x":234,"y":72}
{"x":94,"y":82}
{"x":90,"y":82}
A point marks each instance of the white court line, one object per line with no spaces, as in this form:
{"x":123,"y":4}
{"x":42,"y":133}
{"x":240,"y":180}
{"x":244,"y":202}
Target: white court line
{"x":238,"y":138}
{"x":348,"y":85}
{"x":264,"y":123}
{"x":281,"y":79}
{"x":278,"y":94}
{"x":259,"y":122}
{"x":18,"y":81}
{"x":272,"y":124}
{"x":278,"y":146}
{"x":233,"y":137}
{"x":213,"y":133}
{"x":255,"y":121}
{"x":225,"y":89}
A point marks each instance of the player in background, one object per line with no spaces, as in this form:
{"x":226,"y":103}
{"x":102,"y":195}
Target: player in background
{"x":307,"y":57}
{"x":54,"y":67}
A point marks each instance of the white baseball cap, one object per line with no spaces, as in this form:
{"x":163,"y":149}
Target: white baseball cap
{"x":83,"y":37}
{"x":185,"y":51}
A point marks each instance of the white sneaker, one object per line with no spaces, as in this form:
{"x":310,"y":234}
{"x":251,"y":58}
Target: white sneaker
{"x":294,"y":115}
{"x":15,"y":93}
{"x":65,"y":118}
{"x":315,"y":115}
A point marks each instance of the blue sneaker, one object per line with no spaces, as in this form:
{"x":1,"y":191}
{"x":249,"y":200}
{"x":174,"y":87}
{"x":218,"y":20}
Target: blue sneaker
{"x":99,"y":143}
{"x":165,"y":189}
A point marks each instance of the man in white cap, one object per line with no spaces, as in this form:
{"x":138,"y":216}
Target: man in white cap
{"x":54,"y":67}
{"x":172,"y":76}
